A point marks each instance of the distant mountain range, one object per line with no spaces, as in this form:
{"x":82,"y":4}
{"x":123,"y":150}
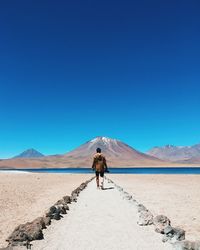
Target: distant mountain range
{"x":118,"y":154}
{"x":182,"y":154}
{"x":29,"y":153}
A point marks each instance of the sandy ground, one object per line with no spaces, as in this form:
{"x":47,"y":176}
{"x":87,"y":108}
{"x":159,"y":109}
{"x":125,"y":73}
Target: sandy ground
{"x":176,"y":196}
{"x":26,"y":196}
{"x":101,"y":219}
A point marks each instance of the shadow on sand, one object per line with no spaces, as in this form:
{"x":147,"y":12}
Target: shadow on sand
{"x":108,"y":188}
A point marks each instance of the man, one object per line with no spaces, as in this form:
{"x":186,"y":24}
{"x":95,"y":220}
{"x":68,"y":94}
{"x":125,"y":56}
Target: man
{"x":100,"y":166}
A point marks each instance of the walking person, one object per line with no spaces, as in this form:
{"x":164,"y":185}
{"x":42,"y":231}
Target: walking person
{"x":100,"y":167}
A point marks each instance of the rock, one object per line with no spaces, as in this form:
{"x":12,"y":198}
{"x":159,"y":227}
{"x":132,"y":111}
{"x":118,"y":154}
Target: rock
{"x":67,"y":199}
{"x":161,"y":222}
{"x":49,"y":214}
{"x":62,"y":209}
{"x":54,"y":212}
{"x":165,"y":238}
{"x":15,"y":240}
{"x":74,"y":196}
{"x":60,"y":202}
{"x":128,"y":197}
{"x":141,"y":207}
{"x":66,"y":206}
{"x":125,"y":193}
{"x":76,"y":191}
{"x":56,"y":216}
{"x":40,"y":222}
{"x":173,"y":234}
{"x":168,"y":230}
{"x":82,"y":186}
{"x":134,"y":201}
{"x":63,"y":202}
{"x":26,"y":232}
{"x":179,"y":234}
{"x":145,"y":218}
{"x":118,"y":188}
{"x":47,"y":220}
{"x":187,"y":245}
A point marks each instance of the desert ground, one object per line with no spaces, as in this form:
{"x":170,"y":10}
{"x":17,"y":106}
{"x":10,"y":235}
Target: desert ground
{"x":176,"y":196}
{"x":25,"y":196}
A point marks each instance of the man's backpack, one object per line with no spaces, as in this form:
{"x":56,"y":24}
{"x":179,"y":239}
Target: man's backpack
{"x":99,"y":160}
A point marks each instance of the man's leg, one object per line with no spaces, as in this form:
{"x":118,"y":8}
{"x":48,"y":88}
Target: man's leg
{"x":102,"y":180}
{"x":97,"y":179}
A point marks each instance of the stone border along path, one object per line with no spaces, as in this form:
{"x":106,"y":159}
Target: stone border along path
{"x":162,"y":225}
{"x":73,"y":232}
{"x":25,"y":233}
{"x":102,"y":219}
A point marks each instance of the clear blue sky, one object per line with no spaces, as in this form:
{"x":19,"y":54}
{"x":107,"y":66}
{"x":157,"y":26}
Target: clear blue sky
{"x":72,"y":70}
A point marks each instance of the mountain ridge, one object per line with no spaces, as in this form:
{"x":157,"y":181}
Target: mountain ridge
{"x":29,"y":153}
{"x":118,"y":154}
{"x":174,"y":153}
{"x":111,"y":147}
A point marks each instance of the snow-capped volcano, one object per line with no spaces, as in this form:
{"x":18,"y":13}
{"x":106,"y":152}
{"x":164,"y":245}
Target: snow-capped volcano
{"x":103,"y":139}
{"x":117,"y":152}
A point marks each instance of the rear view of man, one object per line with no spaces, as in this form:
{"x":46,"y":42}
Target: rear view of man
{"x":100,"y":167}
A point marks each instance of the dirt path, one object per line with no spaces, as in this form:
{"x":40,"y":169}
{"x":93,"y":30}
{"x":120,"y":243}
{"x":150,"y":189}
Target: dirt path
{"x":101,"y":219}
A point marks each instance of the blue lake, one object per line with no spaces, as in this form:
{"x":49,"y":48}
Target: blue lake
{"x":147,"y":170}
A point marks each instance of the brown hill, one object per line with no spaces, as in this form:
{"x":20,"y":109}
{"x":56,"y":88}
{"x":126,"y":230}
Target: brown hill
{"x":118,"y":154}
{"x":181,"y":154}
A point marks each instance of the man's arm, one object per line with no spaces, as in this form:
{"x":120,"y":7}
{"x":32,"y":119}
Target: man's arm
{"x":105,"y":164}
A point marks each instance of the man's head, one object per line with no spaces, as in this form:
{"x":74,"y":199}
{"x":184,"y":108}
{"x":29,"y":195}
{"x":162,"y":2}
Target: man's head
{"x":98,"y":150}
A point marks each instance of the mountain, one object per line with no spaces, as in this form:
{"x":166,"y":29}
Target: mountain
{"x":118,"y":154}
{"x":189,"y":154}
{"x":29,"y":153}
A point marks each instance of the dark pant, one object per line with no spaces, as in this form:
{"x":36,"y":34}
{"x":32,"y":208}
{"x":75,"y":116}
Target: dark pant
{"x":99,"y":173}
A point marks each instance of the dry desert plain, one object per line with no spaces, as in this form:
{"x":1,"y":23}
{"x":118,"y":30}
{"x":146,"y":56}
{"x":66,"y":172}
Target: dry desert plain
{"x":25,"y":196}
{"x":176,"y":196}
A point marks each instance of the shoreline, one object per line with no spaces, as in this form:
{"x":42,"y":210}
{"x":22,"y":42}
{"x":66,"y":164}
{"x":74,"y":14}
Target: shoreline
{"x":123,"y":167}
{"x":173,"y":166}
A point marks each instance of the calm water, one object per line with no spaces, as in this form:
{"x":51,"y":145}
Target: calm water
{"x":150,"y":170}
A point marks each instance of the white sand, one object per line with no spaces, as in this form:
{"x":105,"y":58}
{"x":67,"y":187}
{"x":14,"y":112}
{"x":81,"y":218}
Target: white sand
{"x":14,"y":172}
{"x":100,"y":220}
{"x":26,"y":196}
{"x":176,"y":196}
